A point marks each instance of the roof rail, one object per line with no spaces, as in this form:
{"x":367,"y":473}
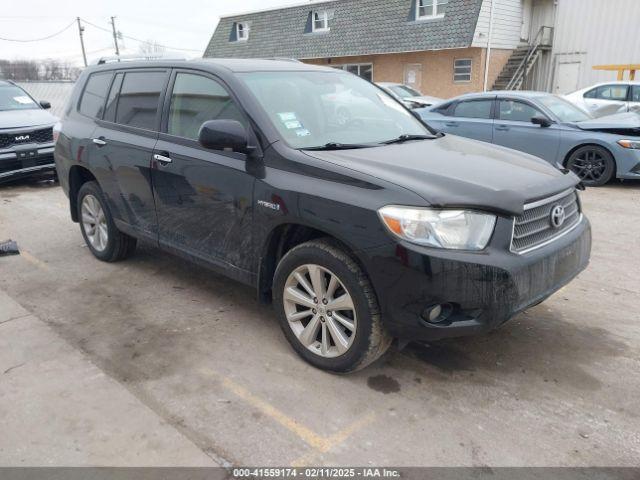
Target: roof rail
{"x":133,"y":58}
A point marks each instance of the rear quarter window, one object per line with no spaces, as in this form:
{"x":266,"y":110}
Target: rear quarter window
{"x":94,"y":94}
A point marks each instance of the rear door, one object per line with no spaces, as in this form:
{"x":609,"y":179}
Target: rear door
{"x":125,"y":140}
{"x":203,"y":197}
{"x":607,"y":99}
{"x":471,"y":119}
{"x":513,"y":129}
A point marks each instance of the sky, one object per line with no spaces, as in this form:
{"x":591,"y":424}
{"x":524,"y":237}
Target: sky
{"x":177,"y":24}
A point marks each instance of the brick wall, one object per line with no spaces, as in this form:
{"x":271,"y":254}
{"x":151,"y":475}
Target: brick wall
{"x":437,"y":68}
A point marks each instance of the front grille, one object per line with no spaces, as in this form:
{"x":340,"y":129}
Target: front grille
{"x":42,"y":135}
{"x":15,"y":164}
{"x":534,"y":227}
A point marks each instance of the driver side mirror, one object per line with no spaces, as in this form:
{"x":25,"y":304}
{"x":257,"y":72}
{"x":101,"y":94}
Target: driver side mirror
{"x":44,"y":104}
{"x":229,"y":135}
{"x":544,"y":122}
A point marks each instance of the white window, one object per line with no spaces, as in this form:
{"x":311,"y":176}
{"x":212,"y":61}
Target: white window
{"x":242,"y":32}
{"x":363,"y":70}
{"x":430,"y":9}
{"x":462,"y":70}
{"x":320,"y":21}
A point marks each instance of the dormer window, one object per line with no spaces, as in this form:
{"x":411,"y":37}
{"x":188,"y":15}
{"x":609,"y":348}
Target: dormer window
{"x":320,"y":21}
{"x":242,"y":31}
{"x":426,"y":9}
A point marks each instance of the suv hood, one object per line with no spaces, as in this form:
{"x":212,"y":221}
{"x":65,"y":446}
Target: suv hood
{"x":627,"y":121}
{"x":457,"y":172}
{"x":25,"y":118}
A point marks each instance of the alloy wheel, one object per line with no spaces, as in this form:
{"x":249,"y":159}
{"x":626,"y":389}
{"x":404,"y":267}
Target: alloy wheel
{"x":589,"y":165}
{"x":94,"y":223}
{"x":320,"y":310}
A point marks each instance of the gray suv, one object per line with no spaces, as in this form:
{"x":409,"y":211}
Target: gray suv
{"x":26,"y":134}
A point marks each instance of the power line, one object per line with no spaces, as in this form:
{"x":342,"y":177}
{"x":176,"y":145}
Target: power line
{"x":38,"y":39}
{"x":139,"y":40}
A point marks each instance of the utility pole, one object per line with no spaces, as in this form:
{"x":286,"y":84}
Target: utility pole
{"x":80,"y":31}
{"x":115,"y":36}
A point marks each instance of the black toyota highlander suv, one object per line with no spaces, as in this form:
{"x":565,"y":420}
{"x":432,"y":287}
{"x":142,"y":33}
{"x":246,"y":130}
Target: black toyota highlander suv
{"x":26,"y":134}
{"x":360,"y":228}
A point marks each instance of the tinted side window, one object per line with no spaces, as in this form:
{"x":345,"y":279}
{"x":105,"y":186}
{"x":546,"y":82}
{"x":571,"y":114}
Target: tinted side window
{"x":635,"y":93}
{"x":196,"y":99}
{"x":591,"y":93}
{"x":112,"y":100}
{"x":95,"y":92}
{"x":139,"y":99}
{"x":517,"y":111}
{"x":474,"y":109}
{"x":612,"y":92}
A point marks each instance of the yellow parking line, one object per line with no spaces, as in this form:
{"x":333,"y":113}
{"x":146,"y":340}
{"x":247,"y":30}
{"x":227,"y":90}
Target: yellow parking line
{"x":33,"y":260}
{"x":320,"y":443}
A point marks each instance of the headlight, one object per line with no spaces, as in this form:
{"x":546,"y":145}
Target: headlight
{"x":633,"y":144}
{"x":455,"y":229}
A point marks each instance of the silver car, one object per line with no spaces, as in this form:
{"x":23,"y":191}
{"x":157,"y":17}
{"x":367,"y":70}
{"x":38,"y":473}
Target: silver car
{"x":549,"y":127}
{"x":608,"y":98}
{"x":411,"y":97}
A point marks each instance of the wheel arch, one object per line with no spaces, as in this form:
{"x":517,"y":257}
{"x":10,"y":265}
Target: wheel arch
{"x":78,"y":176}
{"x":280,"y":240}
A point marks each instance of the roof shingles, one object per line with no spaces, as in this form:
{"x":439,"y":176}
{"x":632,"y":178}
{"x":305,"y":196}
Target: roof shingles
{"x":359,"y":27}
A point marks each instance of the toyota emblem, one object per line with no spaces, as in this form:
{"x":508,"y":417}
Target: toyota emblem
{"x":558,"y":216}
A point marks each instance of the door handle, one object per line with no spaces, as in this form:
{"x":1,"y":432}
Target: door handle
{"x":502,"y":128}
{"x":451,"y":124}
{"x":99,"y":141}
{"x":162,"y":159}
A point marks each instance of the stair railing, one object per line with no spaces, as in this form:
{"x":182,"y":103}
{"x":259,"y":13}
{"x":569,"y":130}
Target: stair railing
{"x":542,"y":38}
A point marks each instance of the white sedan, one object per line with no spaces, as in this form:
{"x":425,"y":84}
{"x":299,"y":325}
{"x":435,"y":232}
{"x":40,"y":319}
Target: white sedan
{"x":411,"y":97}
{"x":608,"y":98}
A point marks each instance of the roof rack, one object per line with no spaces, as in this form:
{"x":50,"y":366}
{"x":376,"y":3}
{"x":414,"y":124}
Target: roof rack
{"x":133,"y":58}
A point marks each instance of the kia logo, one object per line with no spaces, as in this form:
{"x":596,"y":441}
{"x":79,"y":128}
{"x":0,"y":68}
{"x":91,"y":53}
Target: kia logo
{"x":558,"y":216}
{"x":22,"y":138}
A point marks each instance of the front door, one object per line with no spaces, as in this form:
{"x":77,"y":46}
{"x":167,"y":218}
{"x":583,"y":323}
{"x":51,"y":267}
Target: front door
{"x":413,"y":76}
{"x":567,"y":78}
{"x":513,"y":129}
{"x":203,"y":197}
{"x":124,"y":142}
{"x":607,"y":99}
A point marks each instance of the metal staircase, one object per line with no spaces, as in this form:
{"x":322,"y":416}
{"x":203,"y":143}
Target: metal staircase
{"x":522,"y":60}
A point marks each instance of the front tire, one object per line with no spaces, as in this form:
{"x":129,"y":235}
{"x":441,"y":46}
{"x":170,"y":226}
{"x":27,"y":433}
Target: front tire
{"x":327,"y":308}
{"x":100,"y":233}
{"x":594,"y":165}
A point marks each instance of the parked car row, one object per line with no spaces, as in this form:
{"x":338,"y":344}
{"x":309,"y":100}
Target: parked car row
{"x":359,"y":228}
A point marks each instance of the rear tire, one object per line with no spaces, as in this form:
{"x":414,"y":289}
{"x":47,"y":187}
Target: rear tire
{"x":100,"y":233}
{"x":594,"y":165}
{"x":348,"y":333}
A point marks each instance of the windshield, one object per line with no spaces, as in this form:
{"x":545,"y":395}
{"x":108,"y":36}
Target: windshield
{"x":405,"y":92}
{"x":565,"y":111}
{"x":14,"y":98}
{"x":312,"y":109}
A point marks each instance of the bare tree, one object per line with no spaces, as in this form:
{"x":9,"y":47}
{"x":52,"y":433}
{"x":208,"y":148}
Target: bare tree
{"x":151,"y":48}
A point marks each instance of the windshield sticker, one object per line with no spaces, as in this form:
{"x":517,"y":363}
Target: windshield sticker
{"x":303,"y":132}
{"x":292,"y":125}
{"x":23,"y":99}
{"x":287,"y":116}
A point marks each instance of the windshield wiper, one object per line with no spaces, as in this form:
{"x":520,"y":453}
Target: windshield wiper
{"x":339,"y":146}
{"x":406,"y":138}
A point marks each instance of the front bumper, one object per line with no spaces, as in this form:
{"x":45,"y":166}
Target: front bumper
{"x":484,"y":289}
{"x":26,"y":161}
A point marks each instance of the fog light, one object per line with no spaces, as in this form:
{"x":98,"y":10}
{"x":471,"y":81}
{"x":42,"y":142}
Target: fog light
{"x":437,"y":313}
